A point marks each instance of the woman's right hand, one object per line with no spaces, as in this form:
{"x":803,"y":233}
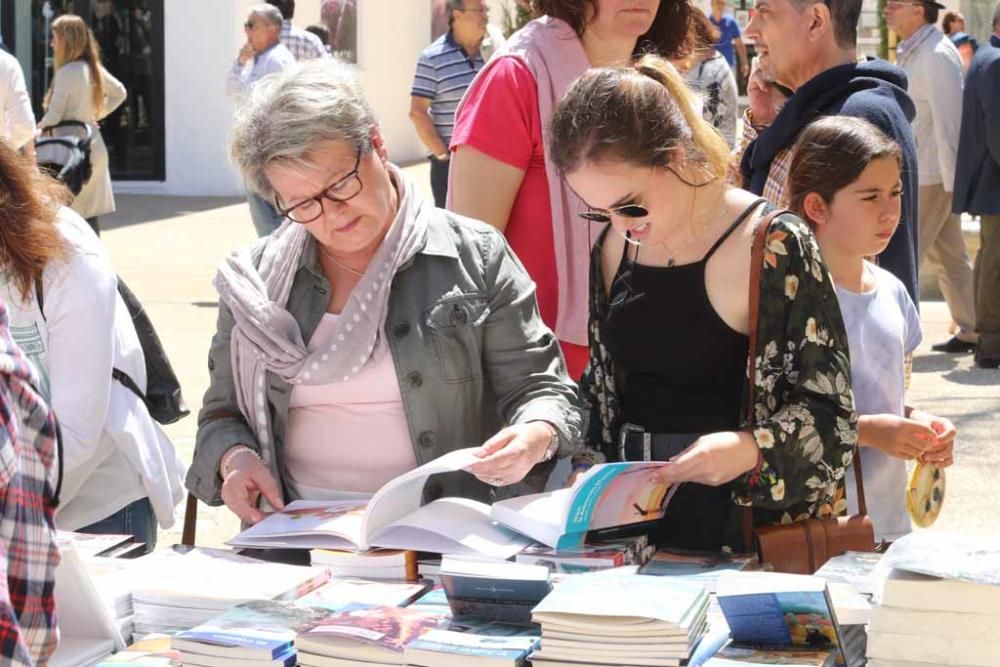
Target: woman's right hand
{"x":897,"y":436}
{"x":244,"y":479}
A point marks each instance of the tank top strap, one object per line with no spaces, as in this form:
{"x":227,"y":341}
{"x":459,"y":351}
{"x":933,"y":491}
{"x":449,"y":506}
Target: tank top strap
{"x":736,"y":223}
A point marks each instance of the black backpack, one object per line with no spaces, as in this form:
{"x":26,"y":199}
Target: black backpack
{"x":163,"y":391}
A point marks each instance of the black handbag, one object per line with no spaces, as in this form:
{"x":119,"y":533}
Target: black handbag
{"x":163,"y":396}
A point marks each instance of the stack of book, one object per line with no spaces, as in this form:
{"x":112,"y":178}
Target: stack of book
{"x":589,"y":557}
{"x":253,"y":634}
{"x":177,"y":589}
{"x":617,"y":617}
{"x":696,"y":567}
{"x":790,"y":617}
{"x":373,"y":635}
{"x":939,"y":602}
{"x":493,"y":590}
{"x":343,"y":594}
{"x":487,"y":644}
{"x":113,"y":578}
{"x":393,"y":564}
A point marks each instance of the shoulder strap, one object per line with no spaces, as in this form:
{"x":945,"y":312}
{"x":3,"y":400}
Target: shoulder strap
{"x":40,"y":298}
{"x":736,"y":223}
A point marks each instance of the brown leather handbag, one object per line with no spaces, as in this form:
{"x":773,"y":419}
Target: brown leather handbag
{"x":804,"y":546}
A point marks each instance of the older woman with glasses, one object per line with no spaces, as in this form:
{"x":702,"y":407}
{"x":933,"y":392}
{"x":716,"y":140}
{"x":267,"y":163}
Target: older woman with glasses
{"x":371,"y":332}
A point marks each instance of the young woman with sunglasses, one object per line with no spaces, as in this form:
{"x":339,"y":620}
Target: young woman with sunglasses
{"x":670,"y":316}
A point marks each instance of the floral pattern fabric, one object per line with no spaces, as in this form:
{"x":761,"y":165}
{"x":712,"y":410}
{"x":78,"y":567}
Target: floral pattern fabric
{"x":803,"y":416}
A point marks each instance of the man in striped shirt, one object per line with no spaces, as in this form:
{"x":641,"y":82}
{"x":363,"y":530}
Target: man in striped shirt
{"x":444,"y":71}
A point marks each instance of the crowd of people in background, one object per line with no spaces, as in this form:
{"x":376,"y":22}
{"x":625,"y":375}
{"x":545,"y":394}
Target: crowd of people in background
{"x":581,"y":287}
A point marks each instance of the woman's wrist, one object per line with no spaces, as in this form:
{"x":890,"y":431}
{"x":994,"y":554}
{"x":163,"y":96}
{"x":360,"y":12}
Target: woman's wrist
{"x":225,"y":463}
{"x":551,"y":445}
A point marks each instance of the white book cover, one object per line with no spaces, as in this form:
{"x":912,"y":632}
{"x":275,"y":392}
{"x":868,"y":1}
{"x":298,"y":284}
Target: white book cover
{"x":394,"y":518}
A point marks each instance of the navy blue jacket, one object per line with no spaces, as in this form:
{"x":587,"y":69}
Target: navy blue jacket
{"x":875,"y":91}
{"x":977,"y":172}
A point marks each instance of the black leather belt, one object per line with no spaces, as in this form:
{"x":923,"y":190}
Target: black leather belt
{"x":636,"y":444}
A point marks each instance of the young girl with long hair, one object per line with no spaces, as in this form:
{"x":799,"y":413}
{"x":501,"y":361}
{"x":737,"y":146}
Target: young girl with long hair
{"x":82,"y":90}
{"x":670,"y":316}
{"x":121,"y":474}
{"x":845,"y":181}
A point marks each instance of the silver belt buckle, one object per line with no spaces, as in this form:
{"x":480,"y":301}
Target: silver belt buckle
{"x":647,"y":441}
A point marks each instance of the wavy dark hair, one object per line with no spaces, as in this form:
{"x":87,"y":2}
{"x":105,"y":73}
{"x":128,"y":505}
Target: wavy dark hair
{"x":29,"y":202}
{"x":668,"y":36}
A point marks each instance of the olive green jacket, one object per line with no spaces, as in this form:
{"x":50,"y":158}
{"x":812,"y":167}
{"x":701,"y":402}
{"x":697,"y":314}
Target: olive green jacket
{"x":470,"y":350}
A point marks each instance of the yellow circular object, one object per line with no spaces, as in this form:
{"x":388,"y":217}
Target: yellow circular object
{"x":925,"y":494}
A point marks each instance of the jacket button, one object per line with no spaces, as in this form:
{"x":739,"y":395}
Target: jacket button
{"x":400,"y":329}
{"x":415,"y":378}
{"x":427,"y":439}
{"x":458,"y":315}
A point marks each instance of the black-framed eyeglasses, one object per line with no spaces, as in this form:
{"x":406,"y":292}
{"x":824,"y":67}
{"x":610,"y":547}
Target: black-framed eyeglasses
{"x":342,"y":190}
{"x":249,"y":25}
{"x":604,"y":215}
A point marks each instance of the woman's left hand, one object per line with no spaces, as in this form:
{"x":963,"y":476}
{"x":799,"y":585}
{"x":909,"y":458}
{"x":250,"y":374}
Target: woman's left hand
{"x":943,"y":451}
{"x":510,"y":454}
{"x":713,"y":459}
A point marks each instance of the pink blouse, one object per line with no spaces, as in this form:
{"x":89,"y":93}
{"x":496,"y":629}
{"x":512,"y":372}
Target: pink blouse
{"x":347,"y":436}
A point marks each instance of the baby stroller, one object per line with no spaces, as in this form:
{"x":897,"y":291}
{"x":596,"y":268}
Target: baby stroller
{"x":64,"y":152}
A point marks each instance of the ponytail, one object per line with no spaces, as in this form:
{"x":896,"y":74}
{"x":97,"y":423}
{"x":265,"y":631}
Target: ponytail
{"x":639,"y":114}
{"x":707,"y":142}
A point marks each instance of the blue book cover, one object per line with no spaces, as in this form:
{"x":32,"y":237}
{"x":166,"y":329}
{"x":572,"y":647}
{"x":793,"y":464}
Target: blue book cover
{"x":778,"y":610}
{"x":261,"y":629}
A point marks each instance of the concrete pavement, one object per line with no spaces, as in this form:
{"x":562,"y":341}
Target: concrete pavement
{"x":167,"y":249}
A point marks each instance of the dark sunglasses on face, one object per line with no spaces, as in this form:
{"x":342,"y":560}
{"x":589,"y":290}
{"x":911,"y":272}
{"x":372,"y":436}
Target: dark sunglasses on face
{"x":604,"y":215}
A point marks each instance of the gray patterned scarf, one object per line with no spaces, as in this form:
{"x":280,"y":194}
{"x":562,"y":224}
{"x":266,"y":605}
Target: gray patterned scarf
{"x":266,"y":337}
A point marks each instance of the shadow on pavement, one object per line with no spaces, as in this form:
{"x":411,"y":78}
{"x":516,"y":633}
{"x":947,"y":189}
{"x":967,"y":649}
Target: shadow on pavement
{"x":980,"y":377}
{"x":140,"y":209}
{"x":934,"y":363}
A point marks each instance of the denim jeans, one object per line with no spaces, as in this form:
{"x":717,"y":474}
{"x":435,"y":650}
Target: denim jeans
{"x":136,"y":519}
{"x":263,"y":214}
{"x":439,"y":180}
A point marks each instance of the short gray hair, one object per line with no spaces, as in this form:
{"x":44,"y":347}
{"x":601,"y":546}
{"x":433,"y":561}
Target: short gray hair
{"x":454,"y":6}
{"x":269,"y":13}
{"x":289,"y":113}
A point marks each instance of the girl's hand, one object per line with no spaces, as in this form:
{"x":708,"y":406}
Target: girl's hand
{"x":713,"y":459}
{"x":942,"y":452}
{"x":510,"y":454}
{"x":897,"y":436}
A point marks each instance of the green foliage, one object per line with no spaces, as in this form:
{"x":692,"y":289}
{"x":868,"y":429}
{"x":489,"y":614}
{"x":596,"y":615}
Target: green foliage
{"x":883,"y":32}
{"x":515,"y":15}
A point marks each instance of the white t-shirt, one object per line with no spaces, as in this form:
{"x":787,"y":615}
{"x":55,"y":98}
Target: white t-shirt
{"x":883,"y":327}
{"x":17,"y":121}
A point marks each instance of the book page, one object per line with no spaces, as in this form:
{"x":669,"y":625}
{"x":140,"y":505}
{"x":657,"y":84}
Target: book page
{"x":83,"y":613}
{"x":451,"y":525}
{"x":405,"y":493}
{"x":308,"y":524}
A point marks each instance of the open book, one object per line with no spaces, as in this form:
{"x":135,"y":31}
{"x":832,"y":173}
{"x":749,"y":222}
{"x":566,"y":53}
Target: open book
{"x":607,"y":495}
{"x":392,"y":519}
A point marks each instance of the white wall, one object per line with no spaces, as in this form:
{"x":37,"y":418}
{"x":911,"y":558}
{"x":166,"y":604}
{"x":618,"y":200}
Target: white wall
{"x":202,"y":40}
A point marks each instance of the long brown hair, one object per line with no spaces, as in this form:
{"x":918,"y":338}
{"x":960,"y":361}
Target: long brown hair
{"x":667,"y":37}
{"x":639,"y":115}
{"x":29,"y":202}
{"x":830,"y":154}
{"x":78,"y":43}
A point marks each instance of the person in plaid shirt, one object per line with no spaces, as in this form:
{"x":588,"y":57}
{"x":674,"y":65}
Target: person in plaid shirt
{"x":303,"y":44}
{"x":28,"y":498}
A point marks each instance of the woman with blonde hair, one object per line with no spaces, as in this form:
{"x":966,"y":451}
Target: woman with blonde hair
{"x":82,"y":90}
{"x":671,"y":323}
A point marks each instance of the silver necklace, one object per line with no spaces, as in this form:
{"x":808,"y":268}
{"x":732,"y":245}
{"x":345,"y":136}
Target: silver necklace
{"x":338,"y":262}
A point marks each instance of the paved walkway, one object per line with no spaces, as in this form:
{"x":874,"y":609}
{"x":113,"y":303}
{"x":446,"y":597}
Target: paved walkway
{"x":167,"y":249}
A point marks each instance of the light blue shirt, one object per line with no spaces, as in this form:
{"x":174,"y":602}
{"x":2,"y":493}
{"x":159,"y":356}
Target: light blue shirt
{"x":883,"y":328}
{"x":242,"y":78}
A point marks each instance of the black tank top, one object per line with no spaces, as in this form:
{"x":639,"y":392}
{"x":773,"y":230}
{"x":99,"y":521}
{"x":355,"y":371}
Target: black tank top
{"x":684,"y":372}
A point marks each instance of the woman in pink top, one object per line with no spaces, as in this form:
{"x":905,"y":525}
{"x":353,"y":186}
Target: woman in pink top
{"x":499,"y":142}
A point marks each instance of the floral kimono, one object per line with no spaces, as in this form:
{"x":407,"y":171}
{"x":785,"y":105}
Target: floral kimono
{"x":803,"y":409}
